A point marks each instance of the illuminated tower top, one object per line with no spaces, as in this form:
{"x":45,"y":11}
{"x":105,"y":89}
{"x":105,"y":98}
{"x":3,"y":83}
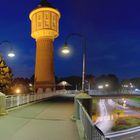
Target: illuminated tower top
{"x":45,"y":21}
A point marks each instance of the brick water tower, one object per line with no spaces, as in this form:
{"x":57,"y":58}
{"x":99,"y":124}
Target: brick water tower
{"x":45,"y":28}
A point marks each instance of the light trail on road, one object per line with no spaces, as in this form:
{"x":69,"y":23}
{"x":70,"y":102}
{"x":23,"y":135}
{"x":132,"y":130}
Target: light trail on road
{"x":128,"y":134}
{"x":105,"y":121}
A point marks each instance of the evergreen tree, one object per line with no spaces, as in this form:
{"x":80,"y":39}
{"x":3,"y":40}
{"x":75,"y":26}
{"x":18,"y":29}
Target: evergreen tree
{"x":5,"y":76}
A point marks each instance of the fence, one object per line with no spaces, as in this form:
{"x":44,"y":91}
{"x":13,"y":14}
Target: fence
{"x":67,"y":91}
{"x":14,"y":101}
{"x":121,"y":92}
{"x":90,"y":130}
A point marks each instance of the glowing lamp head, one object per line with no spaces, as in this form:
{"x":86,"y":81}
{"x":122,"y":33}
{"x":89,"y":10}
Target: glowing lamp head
{"x":106,"y":85}
{"x":100,"y":87}
{"x":65,"y":50}
{"x":18,"y":91}
{"x":11,"y":53}
{"x":30,"y":85}
{"x":64,"y":83}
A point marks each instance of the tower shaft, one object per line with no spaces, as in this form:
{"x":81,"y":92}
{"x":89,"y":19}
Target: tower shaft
{"x":44,"y":68}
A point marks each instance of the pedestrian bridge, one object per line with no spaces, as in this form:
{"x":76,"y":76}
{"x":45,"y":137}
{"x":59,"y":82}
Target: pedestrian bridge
{"x":47,"y":116}
{"x":45,"y":120}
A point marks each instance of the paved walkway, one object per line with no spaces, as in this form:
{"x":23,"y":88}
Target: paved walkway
{"x":48,"y":120}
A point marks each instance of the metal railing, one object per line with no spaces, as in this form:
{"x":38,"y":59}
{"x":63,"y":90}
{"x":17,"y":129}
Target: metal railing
{"x":14,"y":101}
{"x":119,"y":93}
{"x":90,"y":130}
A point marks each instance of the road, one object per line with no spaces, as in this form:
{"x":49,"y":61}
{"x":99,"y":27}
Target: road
{"x":48,"y":120}
{"x":106,"y":120}
{"x":132,"y":134}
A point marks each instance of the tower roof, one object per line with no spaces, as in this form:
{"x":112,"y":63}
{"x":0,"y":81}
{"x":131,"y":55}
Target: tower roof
{"x":45,"y":3}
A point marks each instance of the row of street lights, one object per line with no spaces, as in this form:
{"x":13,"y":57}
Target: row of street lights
{"x":102,"y":86}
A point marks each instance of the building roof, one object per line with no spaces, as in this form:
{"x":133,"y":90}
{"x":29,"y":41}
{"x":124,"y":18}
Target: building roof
{"x":45,"y":3}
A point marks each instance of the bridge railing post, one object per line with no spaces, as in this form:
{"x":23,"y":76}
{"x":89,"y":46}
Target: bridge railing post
{"x":2,"y":104}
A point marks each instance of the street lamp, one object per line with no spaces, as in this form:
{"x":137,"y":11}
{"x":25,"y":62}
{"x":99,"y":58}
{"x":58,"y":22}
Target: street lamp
{"x":66,"y":50}
{"x":106,"y":85}
{"x":18,"y":90}
{"x":11,"y":52}
{"x":103,"y":87}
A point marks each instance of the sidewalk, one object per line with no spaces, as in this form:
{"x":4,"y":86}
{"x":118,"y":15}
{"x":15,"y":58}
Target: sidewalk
{"x":43,"y":121}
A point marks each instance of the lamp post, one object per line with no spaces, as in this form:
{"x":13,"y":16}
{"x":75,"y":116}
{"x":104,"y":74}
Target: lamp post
{"x":65,"y":50}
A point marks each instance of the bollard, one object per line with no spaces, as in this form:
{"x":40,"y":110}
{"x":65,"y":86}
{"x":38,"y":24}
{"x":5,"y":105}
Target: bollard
{"x":2,"y":104}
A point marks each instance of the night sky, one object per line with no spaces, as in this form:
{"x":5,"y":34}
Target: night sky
{"x":112,"y":28}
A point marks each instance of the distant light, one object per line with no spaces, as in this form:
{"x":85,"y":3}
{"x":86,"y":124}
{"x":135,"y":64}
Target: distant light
{"x":106,"y":85}
{"x":64,"y":83}
{"x":130,"y":83}
{"x":100,"y":87}
{"x":30,"y":85}
{"x":18,"y":91}
{"x":137,"y":89}
{"x":126,"y":86}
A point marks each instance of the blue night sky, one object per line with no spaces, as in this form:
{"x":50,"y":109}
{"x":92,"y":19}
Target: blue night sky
{"x":112,"y":29}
